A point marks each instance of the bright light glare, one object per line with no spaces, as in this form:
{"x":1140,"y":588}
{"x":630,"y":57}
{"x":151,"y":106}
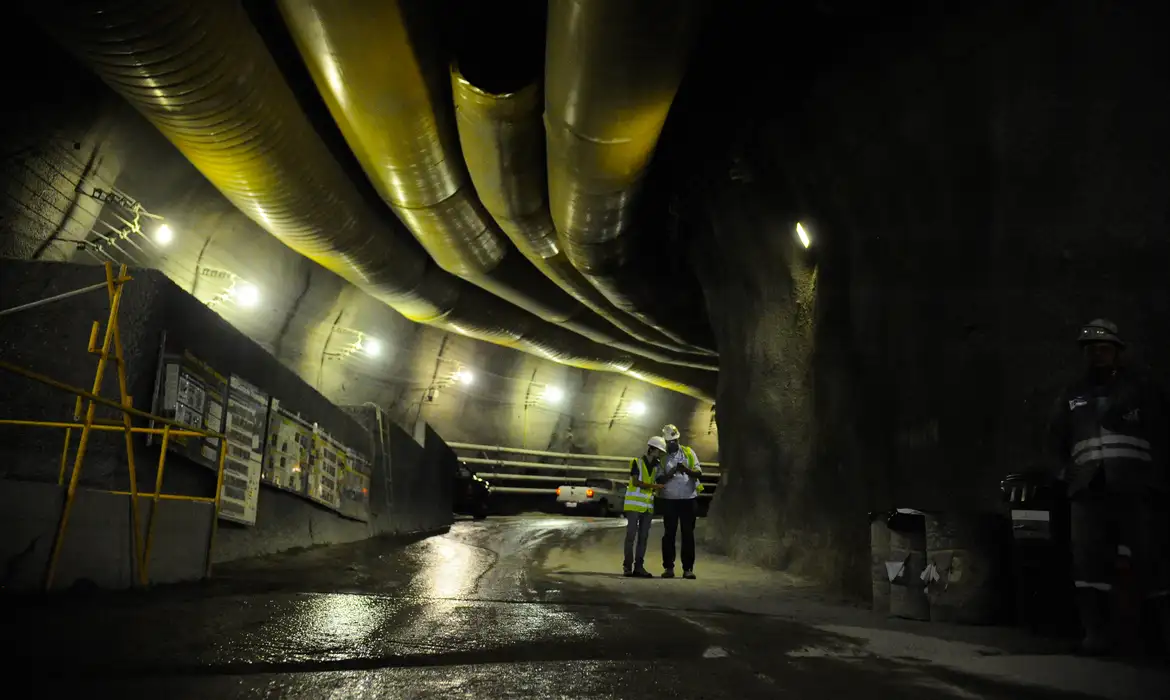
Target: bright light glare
{"x":372,"y":346}
{"x":553,"y":394}
{"x":804,"y":239}
{"x":637,"y":408}
{"x":465,"y":377}
{"x":164,"y":234}
{"x":247,"y":295}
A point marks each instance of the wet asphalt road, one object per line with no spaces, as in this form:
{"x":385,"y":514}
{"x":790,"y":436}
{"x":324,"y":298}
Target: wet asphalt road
{"x":480,"y":612}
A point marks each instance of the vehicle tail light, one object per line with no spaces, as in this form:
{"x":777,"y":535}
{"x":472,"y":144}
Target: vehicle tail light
{"x":558,"y":490}
{"x":588,"y":493}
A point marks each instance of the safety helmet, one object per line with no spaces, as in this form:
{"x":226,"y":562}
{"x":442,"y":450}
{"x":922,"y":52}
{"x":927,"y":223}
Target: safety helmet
{"x":1100,"y":330}
{"x":657,"y":442}
{"x":669,"y":432}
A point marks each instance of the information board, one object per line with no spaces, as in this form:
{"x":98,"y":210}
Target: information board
{"x":193,"y":394}
{"x":290,"y":445}
{"x":325,"y":468}
{"x":245,"y":428}
{"x":355,"y":487}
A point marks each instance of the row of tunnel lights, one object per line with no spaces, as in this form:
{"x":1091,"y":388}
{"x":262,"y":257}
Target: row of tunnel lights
{"x":247,"y":295}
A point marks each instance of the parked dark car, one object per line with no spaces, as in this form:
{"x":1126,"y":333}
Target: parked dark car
{"x":472,"y":495}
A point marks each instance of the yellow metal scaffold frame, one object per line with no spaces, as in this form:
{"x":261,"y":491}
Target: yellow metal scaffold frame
{"x":87,"y":423}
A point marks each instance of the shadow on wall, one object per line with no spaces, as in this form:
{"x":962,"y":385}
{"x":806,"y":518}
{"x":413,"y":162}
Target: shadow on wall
{"x":972,"y":203}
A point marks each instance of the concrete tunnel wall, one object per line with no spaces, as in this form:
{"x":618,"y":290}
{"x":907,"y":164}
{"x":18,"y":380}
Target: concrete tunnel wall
{"x":69,"y":130}
{"x":410,"y":487}
{"x":978,"y":186}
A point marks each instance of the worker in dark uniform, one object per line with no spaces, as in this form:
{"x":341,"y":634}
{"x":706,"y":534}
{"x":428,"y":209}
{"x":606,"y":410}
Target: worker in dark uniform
{"x":1108,"y":431}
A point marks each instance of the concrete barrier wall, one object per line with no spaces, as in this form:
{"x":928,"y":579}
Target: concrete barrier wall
{"x":52,"y":340}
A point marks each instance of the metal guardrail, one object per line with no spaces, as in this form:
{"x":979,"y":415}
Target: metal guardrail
{"x":546,"y":453}
{"x":109,"y":351}
{"x":563,"y":467}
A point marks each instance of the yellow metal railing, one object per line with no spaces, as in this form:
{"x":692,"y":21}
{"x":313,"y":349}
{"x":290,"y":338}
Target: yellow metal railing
{"x":87,"y":423}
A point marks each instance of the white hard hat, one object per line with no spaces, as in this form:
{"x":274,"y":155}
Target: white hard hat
{"x":657,"y":442}
{"x":669,"y":432}
{"x":1100,"y":330}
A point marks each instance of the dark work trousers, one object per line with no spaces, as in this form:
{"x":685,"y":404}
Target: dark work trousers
{"x":1100,"y":521}
{"x":676,"y":513}
{"x":637,"y":530}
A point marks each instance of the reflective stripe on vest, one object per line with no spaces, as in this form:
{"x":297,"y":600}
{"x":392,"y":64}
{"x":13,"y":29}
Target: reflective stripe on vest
{"x":638,"y":499}
{"x":1111,"y":446}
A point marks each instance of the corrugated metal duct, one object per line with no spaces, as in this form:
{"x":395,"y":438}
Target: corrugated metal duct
{"x":200,"y":73}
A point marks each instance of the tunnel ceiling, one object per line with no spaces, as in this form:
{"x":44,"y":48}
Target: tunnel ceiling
{"x":70,"y":145}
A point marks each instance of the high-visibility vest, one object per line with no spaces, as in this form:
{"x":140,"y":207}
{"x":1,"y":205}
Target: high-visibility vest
{"x":691,"y":459}
{"x":690,"y":456}
{"x":639,"y":500}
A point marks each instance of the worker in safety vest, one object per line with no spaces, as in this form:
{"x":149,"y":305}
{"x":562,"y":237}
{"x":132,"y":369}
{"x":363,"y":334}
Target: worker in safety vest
{"x":639,"y":507}
{"x":679,"y":474}
{"x":1108,"y":431}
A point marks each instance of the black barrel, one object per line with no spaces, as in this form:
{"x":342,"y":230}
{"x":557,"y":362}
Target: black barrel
{"x":1041,"y":559}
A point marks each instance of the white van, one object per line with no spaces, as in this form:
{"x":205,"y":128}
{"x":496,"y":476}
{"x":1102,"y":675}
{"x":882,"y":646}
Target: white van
{"x":596,"y":497}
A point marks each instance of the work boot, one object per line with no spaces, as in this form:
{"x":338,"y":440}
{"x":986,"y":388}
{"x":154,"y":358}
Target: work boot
{"x":668,"y":573}
{"x":642,"y":573}
{"x":1092,"y":607}
{"x":627,"y":569}
{"x":689,"y":573}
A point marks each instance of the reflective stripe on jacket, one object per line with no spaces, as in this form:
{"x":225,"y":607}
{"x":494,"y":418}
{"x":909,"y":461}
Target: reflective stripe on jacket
{"x":639,"y":500}
{"x":1109,"y":429}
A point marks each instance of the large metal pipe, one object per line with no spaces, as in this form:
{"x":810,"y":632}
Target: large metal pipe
{"x":612,"y":69}
{"x":200,"y":73}
{"x":390,"y":100}
{"x":502,"y":136}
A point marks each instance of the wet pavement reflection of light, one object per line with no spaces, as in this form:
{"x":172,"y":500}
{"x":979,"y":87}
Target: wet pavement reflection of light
{"x":452,"y":569}
{"x":509,"y":608}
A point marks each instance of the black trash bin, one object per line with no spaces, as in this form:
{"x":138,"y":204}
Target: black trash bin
{"x":1041,"y":559}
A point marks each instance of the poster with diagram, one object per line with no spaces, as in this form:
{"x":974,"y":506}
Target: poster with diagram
{"x":355,"y":487}
{"x":289,"y":450}
{"x":245,"y":428}
{"x":325,"y":468}
{"x":192,"y":393}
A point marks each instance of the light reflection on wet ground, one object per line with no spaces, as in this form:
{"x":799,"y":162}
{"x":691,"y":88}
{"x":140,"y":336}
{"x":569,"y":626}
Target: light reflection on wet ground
{"x":493,"y":609}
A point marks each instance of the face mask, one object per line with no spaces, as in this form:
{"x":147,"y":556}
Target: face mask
{"x":672,"y":447}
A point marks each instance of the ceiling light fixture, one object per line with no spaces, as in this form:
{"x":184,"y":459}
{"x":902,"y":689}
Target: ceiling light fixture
{"x":803,"y":235}
{"x":163,"y":235}
{"x":637,"y":408}
{"x":553,"y":394}
{"x":372,"y":346}
{"x":465,"y":377}
{"x":246,"y":295}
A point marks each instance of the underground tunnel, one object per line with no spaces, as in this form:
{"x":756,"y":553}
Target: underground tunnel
{"x":518,"y":235}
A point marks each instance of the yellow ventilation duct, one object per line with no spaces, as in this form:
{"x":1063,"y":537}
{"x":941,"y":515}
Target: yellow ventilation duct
{"x":392,"y":108}
{"x":612,"y":69}
{"x":200,"y":73}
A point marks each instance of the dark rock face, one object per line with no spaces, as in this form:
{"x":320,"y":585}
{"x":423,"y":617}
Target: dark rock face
{"x":976,"y":187}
